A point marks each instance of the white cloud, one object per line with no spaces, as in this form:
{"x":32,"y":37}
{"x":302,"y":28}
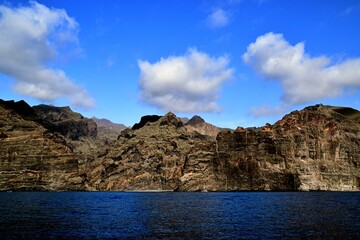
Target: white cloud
{"x":218,"y":18}
{"x":29,"y":37}
{"x":188,"y":83}
{"x":303,"y":78}
{"x":268,"y":111}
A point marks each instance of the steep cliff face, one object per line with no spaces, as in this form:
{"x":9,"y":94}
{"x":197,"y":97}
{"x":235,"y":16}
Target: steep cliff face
{"x":49,"y":148}
{"x":160,"y":155}
{"x":31,"y":156}
{"x":66,"y":122}
{"x":317,"y":148}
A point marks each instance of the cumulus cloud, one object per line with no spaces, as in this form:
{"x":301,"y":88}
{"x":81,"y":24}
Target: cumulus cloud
{"x":29,"y":39}
{"x":188,"y":83}
{"x":304,"y":78}
{"x":218,"y":18}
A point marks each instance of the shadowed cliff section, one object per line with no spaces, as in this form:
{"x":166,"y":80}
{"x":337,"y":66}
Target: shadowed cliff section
{"x":63,"y":120}
{"x":144,"y":120}
{"x":21,"y":108}
{"x":58,"y":119}
{"x":349,"y":113}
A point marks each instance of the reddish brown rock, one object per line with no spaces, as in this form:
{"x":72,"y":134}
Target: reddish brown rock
{"x":313,"y":149}
{"x":50,"y":148}
{"x":32,"y":157}
{"x":161,"y":155}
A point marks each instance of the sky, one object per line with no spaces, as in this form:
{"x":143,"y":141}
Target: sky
{"x":233,"y":62}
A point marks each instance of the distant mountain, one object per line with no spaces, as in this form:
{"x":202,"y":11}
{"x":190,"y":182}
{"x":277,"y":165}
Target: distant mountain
{"x":184,"y":119}
{"x":108,"y":129}
{"x":103,"y":122}
{"x":197,"y":123}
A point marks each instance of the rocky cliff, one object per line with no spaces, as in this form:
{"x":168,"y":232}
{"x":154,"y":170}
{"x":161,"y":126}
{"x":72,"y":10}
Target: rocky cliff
{"x":313,"y":149}
{"x":158,"y":155}
{"x":33,"y":157}
{"x":66,"y":122}
{"x":317,"y":148}
{"x":50,"y":148}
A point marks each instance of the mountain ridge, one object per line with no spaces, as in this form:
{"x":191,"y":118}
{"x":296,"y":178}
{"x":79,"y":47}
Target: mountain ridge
{"x":107,"y":129}
{"x":53,"y":148}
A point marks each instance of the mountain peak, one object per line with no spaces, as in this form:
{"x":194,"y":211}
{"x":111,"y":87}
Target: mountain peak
{"x":171,"y":119}
{"x":195,"y":120}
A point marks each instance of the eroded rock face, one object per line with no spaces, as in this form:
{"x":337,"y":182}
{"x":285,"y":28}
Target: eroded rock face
{"x":31,"y":156}
{"x":63,"y":120}
{"x":317,"y":148}
{"x":159,"y":156}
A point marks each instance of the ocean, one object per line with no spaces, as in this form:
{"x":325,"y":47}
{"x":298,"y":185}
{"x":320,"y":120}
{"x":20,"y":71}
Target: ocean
{"x":175,"y":215}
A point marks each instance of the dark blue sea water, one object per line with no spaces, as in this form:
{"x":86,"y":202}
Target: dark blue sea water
{"x":119,"y":215}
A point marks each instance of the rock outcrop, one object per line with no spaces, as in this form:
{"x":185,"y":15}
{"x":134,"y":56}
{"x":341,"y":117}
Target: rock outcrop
{"x":317,"y":148}
{"x":144,"y":120}
{"x":161,"y":155}
{"x":33,"y":157}
{"x":66,"y":122}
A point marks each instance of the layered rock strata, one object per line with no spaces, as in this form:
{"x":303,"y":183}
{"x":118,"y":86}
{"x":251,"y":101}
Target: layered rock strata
{"x":317,"y":148}
{"x":50,"y":148}
{"x":66,"y":122}
{"x":160,"y":155}
{"x":33,"y":157}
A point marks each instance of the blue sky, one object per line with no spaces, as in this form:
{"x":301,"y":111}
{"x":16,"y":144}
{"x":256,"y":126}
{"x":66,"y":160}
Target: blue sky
{"x":234,"y":62}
